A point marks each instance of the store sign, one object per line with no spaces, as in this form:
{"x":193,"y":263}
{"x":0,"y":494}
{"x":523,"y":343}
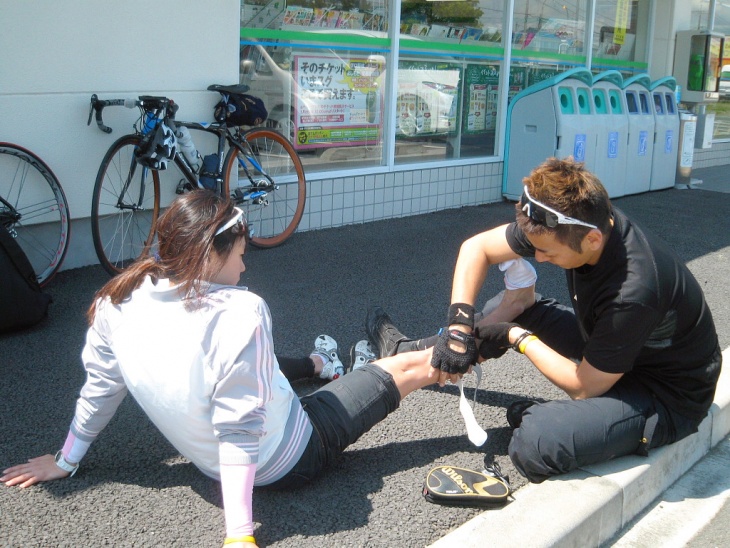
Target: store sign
{"x":482,"y":89}
{"x":622,"y":21}
{"x":339,"y":101}
{"x":540,"y":74}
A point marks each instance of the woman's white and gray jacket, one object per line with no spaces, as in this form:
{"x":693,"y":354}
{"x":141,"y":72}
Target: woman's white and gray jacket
{"x":206,"y":376}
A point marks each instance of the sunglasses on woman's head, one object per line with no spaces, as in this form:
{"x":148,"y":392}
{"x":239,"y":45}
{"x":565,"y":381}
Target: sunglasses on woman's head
{"x":546,"y":216}
{"x":238,"y":218}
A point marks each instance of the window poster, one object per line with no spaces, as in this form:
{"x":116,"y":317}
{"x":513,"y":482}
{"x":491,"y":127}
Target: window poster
{"x":428,"y":94}
{"x":482,"y":96}
{"x":338,"y":102}
{"x":539,"y":74}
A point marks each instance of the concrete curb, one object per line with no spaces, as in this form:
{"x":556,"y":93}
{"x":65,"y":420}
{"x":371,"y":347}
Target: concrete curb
{"x":589,"y":506}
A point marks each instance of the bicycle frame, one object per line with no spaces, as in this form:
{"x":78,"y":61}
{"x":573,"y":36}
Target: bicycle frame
{"x":225,"y":135}
{"x":162,"y":107}
{"x":258,"y":169}
{"x":221,"y":132}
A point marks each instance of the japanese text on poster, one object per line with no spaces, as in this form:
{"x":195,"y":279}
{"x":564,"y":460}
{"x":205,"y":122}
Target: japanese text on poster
{"x":482,"y":95}
{"x":338,"y":101}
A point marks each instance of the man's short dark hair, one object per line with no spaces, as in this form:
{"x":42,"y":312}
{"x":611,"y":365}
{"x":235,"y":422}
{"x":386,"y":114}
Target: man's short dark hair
{"x":568,"y":187}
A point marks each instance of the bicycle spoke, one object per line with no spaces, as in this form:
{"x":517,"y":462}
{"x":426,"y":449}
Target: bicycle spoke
{"x":268,"y":180}
{"x":125,"y":207}
{"x":34,"y":209}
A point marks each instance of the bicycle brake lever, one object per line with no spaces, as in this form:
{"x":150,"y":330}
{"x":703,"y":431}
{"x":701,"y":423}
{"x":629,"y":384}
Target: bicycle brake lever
{"x":91,"y":108}
{"x":99,"y":121}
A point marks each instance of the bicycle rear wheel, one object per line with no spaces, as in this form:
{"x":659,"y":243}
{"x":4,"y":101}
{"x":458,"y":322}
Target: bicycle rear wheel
{"x":273,"y":210}
{"x":33,"y":208}
{"x":125,"y":207}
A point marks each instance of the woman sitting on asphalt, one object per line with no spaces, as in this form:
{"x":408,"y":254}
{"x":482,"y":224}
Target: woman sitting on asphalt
{"x":208,"y":377}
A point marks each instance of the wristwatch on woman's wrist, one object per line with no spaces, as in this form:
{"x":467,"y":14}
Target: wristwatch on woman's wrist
{"x":64,"y":465}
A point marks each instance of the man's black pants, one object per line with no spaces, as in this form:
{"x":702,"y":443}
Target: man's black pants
{"x":563,"y":435}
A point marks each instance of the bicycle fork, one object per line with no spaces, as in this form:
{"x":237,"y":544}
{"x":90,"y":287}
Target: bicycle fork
{"x":125,"y":189}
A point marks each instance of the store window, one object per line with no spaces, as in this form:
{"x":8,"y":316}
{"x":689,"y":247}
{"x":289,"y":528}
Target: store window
{"x":721,"y":109}
{"x":321,"y":74}
{"x":548,"y":38}
{"x":321,"y":70}
{"x":620,"y":36}
{"x":448,"y":79}
{"x":700,"y":18}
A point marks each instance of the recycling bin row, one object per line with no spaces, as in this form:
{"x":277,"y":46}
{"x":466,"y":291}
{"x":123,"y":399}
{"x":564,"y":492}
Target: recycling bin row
{"x":625,"y":131}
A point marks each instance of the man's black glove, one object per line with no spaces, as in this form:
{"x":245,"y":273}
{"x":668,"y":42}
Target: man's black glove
{"x":452,"y":361}
{"x":495,"y":339}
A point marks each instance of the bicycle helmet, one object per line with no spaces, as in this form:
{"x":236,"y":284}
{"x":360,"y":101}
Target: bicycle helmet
{"x":157,"y":148}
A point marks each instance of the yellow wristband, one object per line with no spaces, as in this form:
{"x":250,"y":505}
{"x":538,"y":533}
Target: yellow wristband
{"x":247,"y":538}
{"x":527,"y":340}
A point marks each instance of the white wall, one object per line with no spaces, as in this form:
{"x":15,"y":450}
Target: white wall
{"x":55,"y":54}
{"x":669,"y":17}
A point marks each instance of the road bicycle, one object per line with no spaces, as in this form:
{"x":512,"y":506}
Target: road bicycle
{"x":258,"y":168}
{"x":34,"y":209}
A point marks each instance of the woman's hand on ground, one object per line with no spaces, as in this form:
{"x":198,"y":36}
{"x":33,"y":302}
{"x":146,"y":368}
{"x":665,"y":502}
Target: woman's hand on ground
{"x":38,"y":469}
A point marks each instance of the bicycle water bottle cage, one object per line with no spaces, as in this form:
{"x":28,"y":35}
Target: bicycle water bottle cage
{"x":157,"y":147}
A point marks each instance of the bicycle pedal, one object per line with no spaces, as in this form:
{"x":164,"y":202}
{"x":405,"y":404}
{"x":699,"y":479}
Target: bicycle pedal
{"x":238,"y":196}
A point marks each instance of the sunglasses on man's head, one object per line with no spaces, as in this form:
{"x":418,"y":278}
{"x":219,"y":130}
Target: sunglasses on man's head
{"x":546,"y":216}
{"x":238,"y":218}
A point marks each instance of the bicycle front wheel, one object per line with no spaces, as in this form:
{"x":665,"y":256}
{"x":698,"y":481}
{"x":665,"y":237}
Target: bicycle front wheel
{"x":125,"y":207}
{"x":33,"y":209}
{"x":273,"y":192}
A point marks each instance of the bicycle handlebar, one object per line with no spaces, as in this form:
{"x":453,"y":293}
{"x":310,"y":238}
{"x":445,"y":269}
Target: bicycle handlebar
{"x":145,"y":101}
{"x":98,"y":106}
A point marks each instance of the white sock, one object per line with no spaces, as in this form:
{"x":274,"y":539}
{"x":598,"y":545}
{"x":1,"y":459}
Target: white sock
{"x":325,"y":358}
{"x":518,"y":274}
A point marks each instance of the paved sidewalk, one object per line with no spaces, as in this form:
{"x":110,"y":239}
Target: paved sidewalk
{"x":589,"y":506}
{"x":133,"y":489}
{"x":592,"y":505}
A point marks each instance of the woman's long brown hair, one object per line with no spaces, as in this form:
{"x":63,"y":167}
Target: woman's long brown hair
{"x":186,"y":241}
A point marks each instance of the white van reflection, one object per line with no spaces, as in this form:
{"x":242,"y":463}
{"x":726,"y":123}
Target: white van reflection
{"x":271,"y":80}
{"x":426,"y":99}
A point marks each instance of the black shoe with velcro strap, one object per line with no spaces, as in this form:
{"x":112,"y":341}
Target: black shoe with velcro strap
{"x":384,"y":337}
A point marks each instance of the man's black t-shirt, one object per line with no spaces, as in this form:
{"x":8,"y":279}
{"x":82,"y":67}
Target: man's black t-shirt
{"x":642,"y":313}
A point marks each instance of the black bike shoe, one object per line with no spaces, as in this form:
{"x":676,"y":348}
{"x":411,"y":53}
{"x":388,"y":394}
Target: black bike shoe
{"x":382,"y":334}
{"x":516,"y":409}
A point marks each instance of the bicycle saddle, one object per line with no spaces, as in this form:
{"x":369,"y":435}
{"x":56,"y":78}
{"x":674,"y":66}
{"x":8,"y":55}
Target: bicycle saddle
{"x":235,"y":88}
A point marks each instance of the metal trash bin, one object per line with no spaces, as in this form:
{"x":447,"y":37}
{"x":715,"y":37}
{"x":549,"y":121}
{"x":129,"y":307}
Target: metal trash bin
{"x":685,"y":155}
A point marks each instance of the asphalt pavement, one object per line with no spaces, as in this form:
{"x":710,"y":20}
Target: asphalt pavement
{"x":133,"y":489}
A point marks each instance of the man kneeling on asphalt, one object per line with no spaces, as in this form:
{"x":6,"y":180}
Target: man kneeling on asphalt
{"x":638,"y":353}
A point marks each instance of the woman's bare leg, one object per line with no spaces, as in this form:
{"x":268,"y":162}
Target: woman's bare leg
{"x":409,"y":370}
{"x":507,"y":305}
